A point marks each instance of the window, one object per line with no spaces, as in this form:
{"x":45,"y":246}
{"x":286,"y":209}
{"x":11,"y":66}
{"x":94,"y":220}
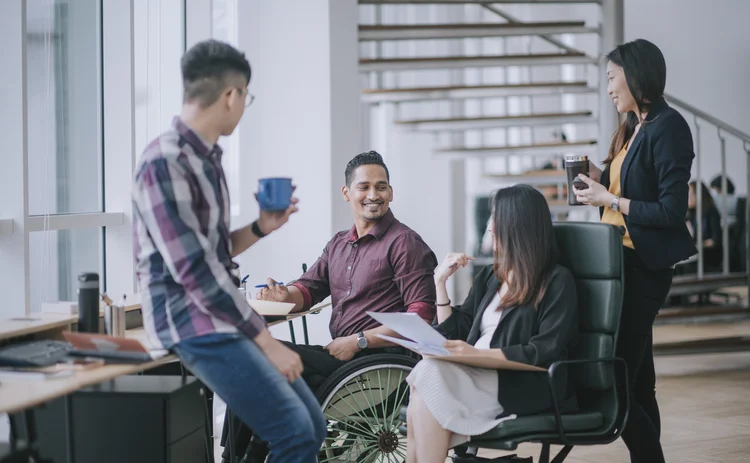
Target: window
{"x":225,"y":29}
{"x":64,"y":142}
{"x":56,"y":258}
{"x":64,"y":106}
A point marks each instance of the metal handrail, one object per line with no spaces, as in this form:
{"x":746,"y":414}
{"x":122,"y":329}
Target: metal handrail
{"x":709,"y":118}
{"x":722,"y":128}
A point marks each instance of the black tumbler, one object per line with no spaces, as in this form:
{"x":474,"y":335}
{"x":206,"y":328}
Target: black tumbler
{"x":575,"y":164}
{"x":88,"y":303}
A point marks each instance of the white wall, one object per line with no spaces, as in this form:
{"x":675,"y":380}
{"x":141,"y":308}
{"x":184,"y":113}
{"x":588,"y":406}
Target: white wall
{"x":302,"y":53}
{"x":707,"y":49}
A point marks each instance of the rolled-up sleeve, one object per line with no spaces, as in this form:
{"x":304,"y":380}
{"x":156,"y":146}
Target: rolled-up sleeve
{"x":163,"y":200}
{"x":414,"y":267}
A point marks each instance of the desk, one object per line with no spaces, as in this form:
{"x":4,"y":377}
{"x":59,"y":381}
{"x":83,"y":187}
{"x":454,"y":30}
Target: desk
{"x":19,"y":394}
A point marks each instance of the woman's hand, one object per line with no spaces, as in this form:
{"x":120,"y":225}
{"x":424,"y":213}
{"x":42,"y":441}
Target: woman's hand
{"x":595,"y":173}
{"x":595,"y":195}
{"x":450,"y":264}
{"x":460,"y":348}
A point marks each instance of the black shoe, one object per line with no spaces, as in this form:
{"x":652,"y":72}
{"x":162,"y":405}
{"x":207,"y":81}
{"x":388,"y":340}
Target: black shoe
{"x":256,"y":452}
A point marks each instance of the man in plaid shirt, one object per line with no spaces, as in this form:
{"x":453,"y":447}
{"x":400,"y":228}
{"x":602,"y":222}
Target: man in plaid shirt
{"x":184,"y":250}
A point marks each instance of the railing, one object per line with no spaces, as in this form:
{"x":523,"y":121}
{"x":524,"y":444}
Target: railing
{"x":722,"y":129}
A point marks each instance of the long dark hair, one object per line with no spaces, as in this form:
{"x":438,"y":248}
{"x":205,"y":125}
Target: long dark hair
{"x":526,"y":244}
{"x":646,"y":75}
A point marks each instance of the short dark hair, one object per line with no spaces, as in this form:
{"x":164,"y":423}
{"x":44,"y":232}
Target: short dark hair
{"x":207,"y":68}
{"x":364,"y":159}
{"x":716,"y":183}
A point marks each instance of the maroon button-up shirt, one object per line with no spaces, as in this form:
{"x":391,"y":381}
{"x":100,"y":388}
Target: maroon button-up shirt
{"x":390,"y":269}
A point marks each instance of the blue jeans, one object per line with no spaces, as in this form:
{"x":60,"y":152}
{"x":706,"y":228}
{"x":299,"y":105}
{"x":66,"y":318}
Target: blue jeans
{"x":286,"y":415}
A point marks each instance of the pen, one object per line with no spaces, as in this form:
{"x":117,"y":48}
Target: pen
{"x":266,"y":286}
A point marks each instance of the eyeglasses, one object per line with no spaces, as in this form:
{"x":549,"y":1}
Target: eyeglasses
{"x":249,"y":98}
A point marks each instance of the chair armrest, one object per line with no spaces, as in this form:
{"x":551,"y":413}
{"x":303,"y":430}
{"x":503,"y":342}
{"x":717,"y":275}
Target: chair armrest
{"x":617,"y":361}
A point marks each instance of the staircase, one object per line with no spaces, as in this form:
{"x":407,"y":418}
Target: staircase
{"x":507,"y":98}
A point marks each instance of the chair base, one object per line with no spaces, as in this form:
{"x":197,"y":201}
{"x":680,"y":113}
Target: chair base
{"x":504,"y":459}
{"x":469,"y":456}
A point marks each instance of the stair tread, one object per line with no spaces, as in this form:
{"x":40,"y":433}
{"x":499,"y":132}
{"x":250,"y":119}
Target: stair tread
{"x":474,"y":87}
{"x":718,"y":341}
{"x":530,"y":57}
{"x":702,"y":310}
{"x":516,"y":147}
{"x":686,"y":280}
{"x":498,"y":118}
{"x":390,"y":27}
{"x":531,"y":174}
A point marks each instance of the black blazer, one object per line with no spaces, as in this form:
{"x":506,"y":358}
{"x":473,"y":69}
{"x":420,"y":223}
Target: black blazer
{"x":526,"y":335}
{"x":654,"y":177}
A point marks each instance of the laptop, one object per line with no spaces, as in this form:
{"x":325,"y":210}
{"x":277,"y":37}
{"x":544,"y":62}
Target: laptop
{"x":110,"y":348}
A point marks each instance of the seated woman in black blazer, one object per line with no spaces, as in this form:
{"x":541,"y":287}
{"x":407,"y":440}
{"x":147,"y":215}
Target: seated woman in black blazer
{"x":523,"y":308}
{"x":711,"y":223}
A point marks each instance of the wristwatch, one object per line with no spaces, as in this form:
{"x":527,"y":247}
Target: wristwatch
{"x":615,"y":205}
{"x":361,"y":340}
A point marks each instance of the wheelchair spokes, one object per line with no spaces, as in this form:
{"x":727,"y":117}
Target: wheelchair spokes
{"x":363,"y":417}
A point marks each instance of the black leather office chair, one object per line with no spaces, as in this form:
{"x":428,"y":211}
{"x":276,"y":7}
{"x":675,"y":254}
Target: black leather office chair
{"x":593,"y":253}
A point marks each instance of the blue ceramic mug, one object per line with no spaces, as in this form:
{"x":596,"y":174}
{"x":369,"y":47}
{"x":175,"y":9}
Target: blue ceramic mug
{"x":275,"y":194}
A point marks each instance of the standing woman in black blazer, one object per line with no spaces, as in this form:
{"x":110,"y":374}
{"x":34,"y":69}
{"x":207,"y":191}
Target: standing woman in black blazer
{"x":644,"y":190}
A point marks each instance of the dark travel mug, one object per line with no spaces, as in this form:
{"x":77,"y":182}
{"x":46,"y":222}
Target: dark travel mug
{"x":88,"y":303}
{"x":576,"y":164}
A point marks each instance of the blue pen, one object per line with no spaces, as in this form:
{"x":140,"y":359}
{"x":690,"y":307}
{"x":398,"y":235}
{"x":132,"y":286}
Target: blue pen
{"x":266,"y":286}
{"x":244,"y":280}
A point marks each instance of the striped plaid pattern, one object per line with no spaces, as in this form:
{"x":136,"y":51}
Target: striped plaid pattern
{"x":182,"y":242}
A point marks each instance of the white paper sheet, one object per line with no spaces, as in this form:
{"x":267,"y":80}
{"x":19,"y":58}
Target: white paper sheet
{"x":413,"y":327}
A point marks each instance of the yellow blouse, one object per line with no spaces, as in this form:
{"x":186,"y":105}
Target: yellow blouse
{"x":610,"y":216}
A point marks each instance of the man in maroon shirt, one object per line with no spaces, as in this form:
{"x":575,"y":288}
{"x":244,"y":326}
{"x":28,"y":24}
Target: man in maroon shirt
{"x":379,"y":265}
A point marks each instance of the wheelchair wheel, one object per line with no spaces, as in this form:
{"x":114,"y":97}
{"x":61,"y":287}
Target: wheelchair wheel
{"x":361,"y":402}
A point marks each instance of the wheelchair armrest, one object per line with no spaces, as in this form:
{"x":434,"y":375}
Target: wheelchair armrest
{"x":617,"y":361}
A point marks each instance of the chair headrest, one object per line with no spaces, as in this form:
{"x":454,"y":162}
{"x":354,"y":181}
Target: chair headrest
{"x":590,"y":250}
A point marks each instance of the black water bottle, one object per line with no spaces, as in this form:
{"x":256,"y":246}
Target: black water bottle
{"x":88,"y":303}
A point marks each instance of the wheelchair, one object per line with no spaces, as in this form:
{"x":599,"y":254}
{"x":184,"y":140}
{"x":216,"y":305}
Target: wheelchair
{"x":361,"y":402}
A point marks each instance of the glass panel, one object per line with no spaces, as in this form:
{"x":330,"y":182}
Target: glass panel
{"x":225,"y":29}
{"x":64,"y":106}
{"x":56,"y":258}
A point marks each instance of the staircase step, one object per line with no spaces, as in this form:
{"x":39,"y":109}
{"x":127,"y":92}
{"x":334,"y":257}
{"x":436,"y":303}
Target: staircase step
{"x":703,"y":346}
{"x":691,"y":284}
{"x":458,"y":62}
{"x":406,"y":2}
{"x":474,"y":91}
{"x":536,"y":149}
{"x":471,"y":123}
{"x":465,"y":30}
{"x":536,"y":177}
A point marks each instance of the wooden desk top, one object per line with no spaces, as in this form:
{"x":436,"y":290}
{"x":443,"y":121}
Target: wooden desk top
{"x":35,"y":323}
{"x":17,"y":394}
